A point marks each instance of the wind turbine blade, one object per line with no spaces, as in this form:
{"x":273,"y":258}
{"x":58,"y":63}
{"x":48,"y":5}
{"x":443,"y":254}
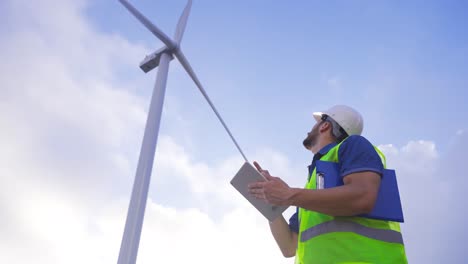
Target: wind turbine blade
{"x":150,"y":26}
{"x":181,"y":57}
{"x":182,"y":23}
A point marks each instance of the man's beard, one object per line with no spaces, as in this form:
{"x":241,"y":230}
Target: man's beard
{"x":311,"y":138}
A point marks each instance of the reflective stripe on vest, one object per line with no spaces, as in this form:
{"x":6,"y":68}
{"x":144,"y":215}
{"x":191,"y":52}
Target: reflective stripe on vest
{"x":336,"y":225}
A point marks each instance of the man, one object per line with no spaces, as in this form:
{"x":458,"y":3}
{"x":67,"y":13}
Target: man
{"x":325,"y":227}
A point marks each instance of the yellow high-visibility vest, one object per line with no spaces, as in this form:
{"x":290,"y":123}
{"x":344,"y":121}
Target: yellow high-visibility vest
{"x":327,"y":239}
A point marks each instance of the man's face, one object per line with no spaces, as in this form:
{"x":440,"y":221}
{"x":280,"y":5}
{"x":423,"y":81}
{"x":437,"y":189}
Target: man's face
{"x":312,"y":137}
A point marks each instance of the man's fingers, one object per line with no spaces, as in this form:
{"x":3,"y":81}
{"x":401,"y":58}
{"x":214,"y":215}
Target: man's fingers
{"x":265,"y":173}
{"x":259,"y":196}
{"x":256,"y":185}
{"x":257,"y":166}
{"x":269,"y":177}
{"x":257,"y":191}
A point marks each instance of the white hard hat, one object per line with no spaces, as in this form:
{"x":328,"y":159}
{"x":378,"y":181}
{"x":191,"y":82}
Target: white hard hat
{"x":348,"y":118}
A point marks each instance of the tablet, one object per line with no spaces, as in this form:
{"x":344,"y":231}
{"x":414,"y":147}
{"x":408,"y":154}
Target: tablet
{"x":246,"y":175}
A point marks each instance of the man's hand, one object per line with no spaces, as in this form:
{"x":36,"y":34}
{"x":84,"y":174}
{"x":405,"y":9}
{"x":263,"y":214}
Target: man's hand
{"x":273,"y":191}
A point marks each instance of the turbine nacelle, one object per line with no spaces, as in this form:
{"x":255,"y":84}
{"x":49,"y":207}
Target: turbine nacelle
{"x":152,"y":61}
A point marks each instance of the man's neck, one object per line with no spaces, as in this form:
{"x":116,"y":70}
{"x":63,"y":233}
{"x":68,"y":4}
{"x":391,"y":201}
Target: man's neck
{"x":320,"y":144}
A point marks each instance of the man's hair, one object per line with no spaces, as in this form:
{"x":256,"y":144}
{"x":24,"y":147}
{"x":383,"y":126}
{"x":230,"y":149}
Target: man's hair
{"x":337,"y":132}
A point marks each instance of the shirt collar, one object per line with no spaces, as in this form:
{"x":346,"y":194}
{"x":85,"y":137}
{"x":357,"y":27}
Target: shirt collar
{"x":327,"y":148}
{"x":318,"y":156}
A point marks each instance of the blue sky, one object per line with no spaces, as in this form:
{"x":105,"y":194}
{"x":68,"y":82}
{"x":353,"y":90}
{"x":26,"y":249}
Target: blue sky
{"x":74,"y":104}
{"x":386,"y":58}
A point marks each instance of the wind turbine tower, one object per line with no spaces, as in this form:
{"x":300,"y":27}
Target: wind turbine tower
{"x":161,"y":59}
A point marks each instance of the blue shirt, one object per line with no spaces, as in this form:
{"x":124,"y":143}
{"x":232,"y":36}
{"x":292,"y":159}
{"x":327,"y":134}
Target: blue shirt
{"x":356,"y":154}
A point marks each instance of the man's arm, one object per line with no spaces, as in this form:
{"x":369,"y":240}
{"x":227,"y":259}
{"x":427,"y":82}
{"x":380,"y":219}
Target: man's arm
{"x":356,"y":196}
{"x":284,"y":237}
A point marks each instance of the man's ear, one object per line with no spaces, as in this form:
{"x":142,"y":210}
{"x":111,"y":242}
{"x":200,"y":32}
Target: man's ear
{"x":324,"y":127}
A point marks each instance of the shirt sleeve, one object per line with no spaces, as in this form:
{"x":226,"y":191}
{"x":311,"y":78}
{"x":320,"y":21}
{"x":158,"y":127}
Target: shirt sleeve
{"x":357,"y":154}
{"x":294,"y":222}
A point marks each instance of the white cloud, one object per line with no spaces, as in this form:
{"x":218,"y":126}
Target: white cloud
{"x":431,"y":189}
{"x":412,"y":157}
{"x":70,"y":136}
{"x":240,"y":235}
{"x":62,"y":100}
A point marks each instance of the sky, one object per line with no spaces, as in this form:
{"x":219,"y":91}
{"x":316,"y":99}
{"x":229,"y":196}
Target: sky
{"x":73,"y":107}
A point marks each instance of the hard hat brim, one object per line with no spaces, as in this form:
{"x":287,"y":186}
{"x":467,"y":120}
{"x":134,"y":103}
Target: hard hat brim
{"x":318,"y":116}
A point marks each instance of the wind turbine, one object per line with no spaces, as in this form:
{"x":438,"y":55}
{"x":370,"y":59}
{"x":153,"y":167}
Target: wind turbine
{"x":162,"y":57}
